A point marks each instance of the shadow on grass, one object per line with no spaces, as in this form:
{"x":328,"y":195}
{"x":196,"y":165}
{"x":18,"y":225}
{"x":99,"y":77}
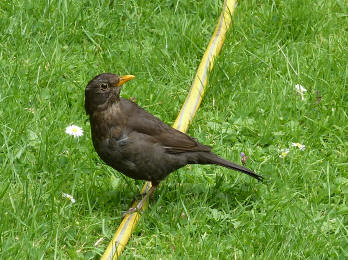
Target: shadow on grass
{"x":221,"y":193}
{"x":206,"y":195}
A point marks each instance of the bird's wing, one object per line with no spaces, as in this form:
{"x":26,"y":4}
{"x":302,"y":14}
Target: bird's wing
{"x":175,"y":141}
{"x":172,"y":140}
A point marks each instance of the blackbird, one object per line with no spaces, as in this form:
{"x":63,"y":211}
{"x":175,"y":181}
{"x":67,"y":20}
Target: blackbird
{"x":136,"y":143}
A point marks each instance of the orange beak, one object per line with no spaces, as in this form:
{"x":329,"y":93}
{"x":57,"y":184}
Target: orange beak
{"x":124,"y":79}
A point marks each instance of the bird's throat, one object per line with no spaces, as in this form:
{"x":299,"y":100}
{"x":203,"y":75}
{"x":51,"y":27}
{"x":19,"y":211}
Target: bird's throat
{"x":102,"y":122}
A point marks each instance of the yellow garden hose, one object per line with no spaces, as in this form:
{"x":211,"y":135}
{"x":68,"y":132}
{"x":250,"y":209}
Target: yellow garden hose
{"x":187,"y":112}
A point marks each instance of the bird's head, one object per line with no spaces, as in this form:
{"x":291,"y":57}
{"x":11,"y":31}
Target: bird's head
{"x":103,"y":90}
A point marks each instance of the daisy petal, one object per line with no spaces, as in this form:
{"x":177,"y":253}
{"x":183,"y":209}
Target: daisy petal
{"x":299,"y":146}
{"x":70,"y":197}
{"x":74,"y":130}
{"x":284,"y":153}
{"x":300,"y":90}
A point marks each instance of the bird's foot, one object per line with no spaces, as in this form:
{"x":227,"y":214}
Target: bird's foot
{"x":130,"y":211}
{"x":140,"y":205}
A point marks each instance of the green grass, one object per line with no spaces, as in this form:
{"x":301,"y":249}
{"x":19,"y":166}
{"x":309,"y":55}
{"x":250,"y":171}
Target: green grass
{"x":50,"y":49}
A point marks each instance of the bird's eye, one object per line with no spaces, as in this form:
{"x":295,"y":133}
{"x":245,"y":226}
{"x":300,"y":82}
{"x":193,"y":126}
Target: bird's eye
{"x":104,"y":86}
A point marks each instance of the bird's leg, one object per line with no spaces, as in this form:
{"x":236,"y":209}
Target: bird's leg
{"x":142,"y":201}
{"x":154,"y":185}
{"x":146,"y":195}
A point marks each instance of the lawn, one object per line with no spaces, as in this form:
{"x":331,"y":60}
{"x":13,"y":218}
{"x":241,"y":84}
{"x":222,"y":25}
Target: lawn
{"x":49,"y":50}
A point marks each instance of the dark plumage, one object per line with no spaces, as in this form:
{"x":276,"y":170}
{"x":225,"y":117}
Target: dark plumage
{"x":136,"y":143}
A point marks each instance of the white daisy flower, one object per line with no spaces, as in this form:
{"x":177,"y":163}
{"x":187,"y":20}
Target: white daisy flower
{"x":70,"y":197}
{"x":301,"y":90}
{"x":284,"y":153}
{"x":74,"y":130}
{"x":299,"y":146}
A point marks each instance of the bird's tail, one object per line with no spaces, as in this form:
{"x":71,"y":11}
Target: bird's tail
{"x":212,"y":158}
